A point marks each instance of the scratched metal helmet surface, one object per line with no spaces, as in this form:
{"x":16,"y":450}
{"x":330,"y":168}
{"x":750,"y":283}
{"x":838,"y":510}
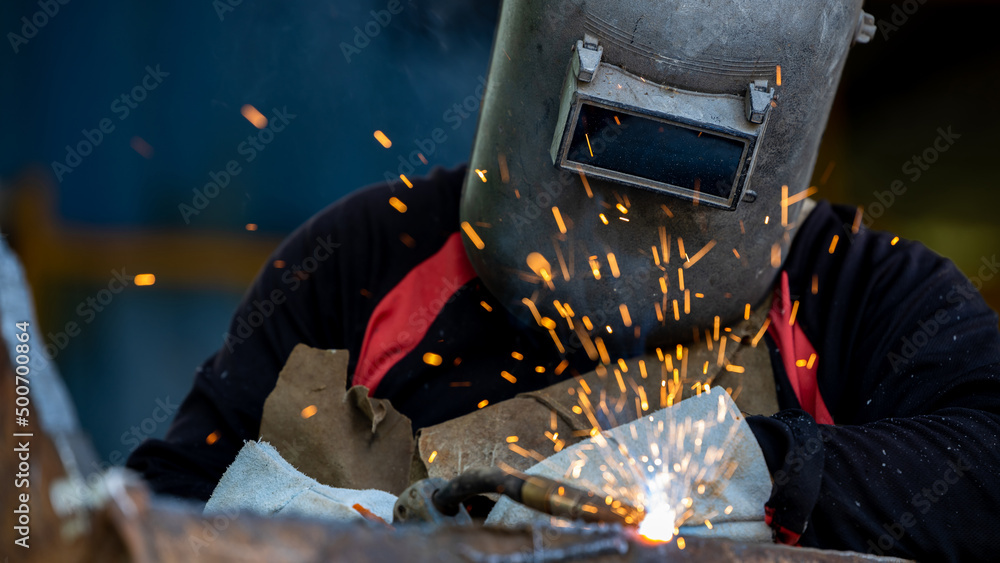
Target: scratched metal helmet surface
{"x":631,"y":156}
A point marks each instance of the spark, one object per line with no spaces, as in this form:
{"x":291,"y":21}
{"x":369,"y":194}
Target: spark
{"x":613,"y":264}
{"x":784,"y":206}
{"x":506,"y":375}
{"x":486,"y":306}
{"x":432,"y":359}
{"x":559,"y":220}
{"x":777,"y":79}
{"x":680,"y":278}
{"x":406,"y":181}
{"x":481,"y":174}
{"x":432,"y":457}
{"x":595,"y":267}
{"x":622,"y":209}
{"x":504,"y":173}
{"x":776,"y":255}
{"x":534,"y":311}
{"x":212,"y":438}
{"x":539,"y":369}
{"x":795,"y":310}
{"x":251,"y":226}
{"x":588,"y":145}
{"x":658,"y":525}
{"x":894,"y":241}
{"x":140,"y":146}
{"x":517,"y":355}
{"x":542,"y":268}
{"x":382,"y":139}
{"x":760,"y":333}
{"x":586,"y":185}
{"x":398,"y":205}
{"x":144,"y":279}
{"x":700,"y":254}
{"x":253,"y":116}
{"x":478,"y":242}
{"x":603,"y":218}
{"x":308,"y":411}
{"x":626,"y":318}
{"x":663,"y":284}
{"x":605,"y":358}
{"x":815,"y":284}
{"x":483,"y":403}
{"x":833,"y":243}
{"x":746,"y":312}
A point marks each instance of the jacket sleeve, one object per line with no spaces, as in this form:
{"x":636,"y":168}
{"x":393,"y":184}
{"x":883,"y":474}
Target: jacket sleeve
{"x":909,"y":367}
{"x":293,"y":294}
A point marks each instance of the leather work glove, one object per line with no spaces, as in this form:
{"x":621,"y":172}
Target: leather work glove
{"x":261,"y":481}
{"x":695,"y":468}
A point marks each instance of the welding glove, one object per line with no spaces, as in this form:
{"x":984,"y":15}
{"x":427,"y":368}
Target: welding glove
{"x":695,"y":465}
{"x":261,"y":481}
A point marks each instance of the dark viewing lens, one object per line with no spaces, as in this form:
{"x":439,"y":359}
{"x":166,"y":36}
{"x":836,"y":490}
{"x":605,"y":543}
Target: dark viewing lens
{"x":663,"y":152}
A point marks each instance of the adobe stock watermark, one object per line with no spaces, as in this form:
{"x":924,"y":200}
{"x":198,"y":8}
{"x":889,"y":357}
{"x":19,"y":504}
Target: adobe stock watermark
{"x":30,"y":26}
{"x":257,"y":312}
{"x":77,"y":491}
{"x":455,"y":116}
{"x":922,"y":502}
{"x":960,"y":294}
{"x":914,"y":169}
{"x":363,"y":35}
{"x":122,"y":107}
{"x":249,"y":149}
{"x":901,"y":13}
{"x":223,"y":7}
{"x":211,"y":525}
{"x":86,"y":311}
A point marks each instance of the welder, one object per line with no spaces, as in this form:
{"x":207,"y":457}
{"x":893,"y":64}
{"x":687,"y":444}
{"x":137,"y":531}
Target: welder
{"x":639,"y":183}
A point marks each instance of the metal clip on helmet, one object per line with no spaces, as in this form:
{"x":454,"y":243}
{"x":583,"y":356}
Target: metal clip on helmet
{"x":634,"y":157}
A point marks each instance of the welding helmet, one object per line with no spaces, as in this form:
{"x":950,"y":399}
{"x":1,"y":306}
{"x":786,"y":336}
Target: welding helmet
{"x":639,"y":167}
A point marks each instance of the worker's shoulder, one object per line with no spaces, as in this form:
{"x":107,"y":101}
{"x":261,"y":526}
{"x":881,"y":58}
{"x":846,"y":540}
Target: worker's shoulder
{"x":419,"y":205}
{"x":379,"y":233}
{"x":834,"y":239}
{"x":393,"y":216}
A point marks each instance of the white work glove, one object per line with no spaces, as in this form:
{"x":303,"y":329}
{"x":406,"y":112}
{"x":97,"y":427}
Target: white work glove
{"x":260,"y":480}
{"x":702,"y":440}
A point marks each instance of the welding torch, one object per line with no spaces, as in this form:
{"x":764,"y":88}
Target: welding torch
{"x":440,"y":501}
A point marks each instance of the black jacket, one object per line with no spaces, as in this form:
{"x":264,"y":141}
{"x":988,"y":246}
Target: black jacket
{"x":908,"y":365}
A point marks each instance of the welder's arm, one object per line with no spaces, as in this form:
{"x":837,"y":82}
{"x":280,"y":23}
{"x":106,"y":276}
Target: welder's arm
{"x":284,"y":306}
{"x":910,"y":370}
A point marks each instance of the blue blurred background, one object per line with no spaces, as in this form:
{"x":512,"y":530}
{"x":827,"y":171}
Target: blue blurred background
{"x":78,"y":223}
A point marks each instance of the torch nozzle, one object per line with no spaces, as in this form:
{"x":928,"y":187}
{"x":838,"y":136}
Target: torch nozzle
{"x":541,"y":493}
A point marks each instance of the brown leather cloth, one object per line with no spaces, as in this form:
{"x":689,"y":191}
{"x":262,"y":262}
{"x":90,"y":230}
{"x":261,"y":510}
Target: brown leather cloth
{"x":521,"y":431}
{"x":340,"y":438}
{"x":353,"y":441}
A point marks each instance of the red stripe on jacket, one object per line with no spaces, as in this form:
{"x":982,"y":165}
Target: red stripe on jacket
{"x":797,"y":354}
{"x":401,"y":319}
